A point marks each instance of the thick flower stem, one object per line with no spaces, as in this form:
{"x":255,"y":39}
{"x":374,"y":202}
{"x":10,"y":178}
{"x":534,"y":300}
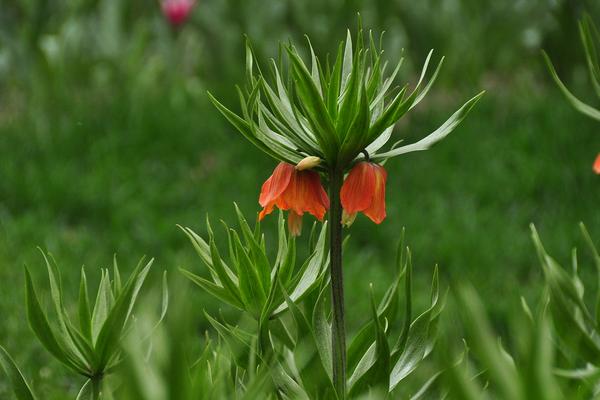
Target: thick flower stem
{"x":96,"y":387}
{"x":337,"y":283}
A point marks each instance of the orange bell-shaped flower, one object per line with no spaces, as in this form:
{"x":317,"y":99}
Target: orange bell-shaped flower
{"x":597,"y":165}
{"x":294,"y":190}
{"x":364,"y":191}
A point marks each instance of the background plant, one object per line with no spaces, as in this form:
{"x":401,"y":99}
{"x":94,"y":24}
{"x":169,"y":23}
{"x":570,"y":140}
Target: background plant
{"x":551,"y":352}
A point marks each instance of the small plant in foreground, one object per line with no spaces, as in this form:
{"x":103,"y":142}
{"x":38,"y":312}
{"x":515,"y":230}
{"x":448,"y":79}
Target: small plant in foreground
{"x":93,"y":348}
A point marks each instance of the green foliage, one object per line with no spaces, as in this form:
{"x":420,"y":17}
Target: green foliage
{"x":554,"y":350}
{"x":575,"y":325}
{"x":292,"y":344}
{"x":333,"y":110}
{"x":253,"y":283}
{"x":529,"y":374}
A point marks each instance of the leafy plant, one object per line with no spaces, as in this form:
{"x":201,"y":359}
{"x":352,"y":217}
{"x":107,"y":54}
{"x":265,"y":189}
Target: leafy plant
{"x":528,"y":373}
{"x":92,"y":348}
{"x":575,"y":325}
{"x":249,"y":281}
{"x":293,"y":346}
{"x":554,"y":352}
{"x":332,"y":118}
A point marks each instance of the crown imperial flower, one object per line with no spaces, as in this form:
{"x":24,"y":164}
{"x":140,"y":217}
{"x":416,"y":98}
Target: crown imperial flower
{"x":364,"y":191}
{"x":177,"y":11}
{"x":297,"y":191}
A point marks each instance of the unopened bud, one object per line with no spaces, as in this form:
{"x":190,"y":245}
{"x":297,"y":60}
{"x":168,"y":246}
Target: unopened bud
{"x":308,"y":163}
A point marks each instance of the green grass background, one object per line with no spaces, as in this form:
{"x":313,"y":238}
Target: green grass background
{"x":104,"y":153}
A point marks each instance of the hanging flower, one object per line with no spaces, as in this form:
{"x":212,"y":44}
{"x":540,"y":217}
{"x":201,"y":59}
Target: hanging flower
{"x":597,"y":165}
{"x":364,"y":191}
{"x":294,"y":190}
{"x":177,"y":11}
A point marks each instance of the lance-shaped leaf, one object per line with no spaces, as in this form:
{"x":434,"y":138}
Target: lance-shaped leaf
{"x":575,"y":102}
{"x":436,"y":135}
{"x":19,"y":385}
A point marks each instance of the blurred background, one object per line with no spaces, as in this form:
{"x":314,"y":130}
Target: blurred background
{"x":108,"y":140}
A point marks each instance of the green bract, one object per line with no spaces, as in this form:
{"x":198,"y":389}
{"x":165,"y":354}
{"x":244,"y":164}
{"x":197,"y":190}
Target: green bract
{"x":333,"y":111}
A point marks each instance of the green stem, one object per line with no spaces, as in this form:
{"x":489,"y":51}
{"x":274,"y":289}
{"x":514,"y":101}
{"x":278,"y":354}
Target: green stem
{"x":337,"y":283}
{"x":96,"y":387}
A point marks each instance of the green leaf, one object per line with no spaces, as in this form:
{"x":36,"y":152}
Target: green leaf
{"x":19,"y":385}
{"x":310,"y":274}
{"x":418,"y":340}
{"x":259,"y":258}
{"x":117,"y":286}
{"x":56,"y":294}
{"x":373,"y":370}
{"x":348,"y":61}
{"x":101,"y":307}
{"x":353,"y":97}
{"x":313,"y":105}
{"x":500,"y":370}
{"x":575,"y":102}
{"x":586,"y":31}
{"x":226,"y":277}
{"x":435,"y":136}
{"x":213,"y":289}
{"x":110,"y":334}
{"x":309,"y":363}
{"x":322,"y":331}
{"x":85,"y":317}
{"x":40,"y":326}
{"x":251,"y":289}
{"x":335,"y":81}
{"x":244,"y":128}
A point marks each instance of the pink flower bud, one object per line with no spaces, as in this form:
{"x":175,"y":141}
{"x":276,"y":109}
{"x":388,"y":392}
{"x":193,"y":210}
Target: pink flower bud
{"x":177,"y":11}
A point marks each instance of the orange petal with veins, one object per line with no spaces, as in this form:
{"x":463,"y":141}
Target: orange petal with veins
{"x":364,"y":191}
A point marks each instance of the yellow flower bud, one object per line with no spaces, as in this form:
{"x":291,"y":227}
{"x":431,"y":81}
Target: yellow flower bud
{"x":308,"y":163}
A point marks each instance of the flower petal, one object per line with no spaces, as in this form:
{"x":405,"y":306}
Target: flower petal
{"x":597,"y":165}
{"x":376,"y":211}
{"x":358,"y":188}
{"x":305,"y":194}
{"x":274,"y":186}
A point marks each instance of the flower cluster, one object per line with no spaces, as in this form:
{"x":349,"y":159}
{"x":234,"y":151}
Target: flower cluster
{"x":299,"y":190}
